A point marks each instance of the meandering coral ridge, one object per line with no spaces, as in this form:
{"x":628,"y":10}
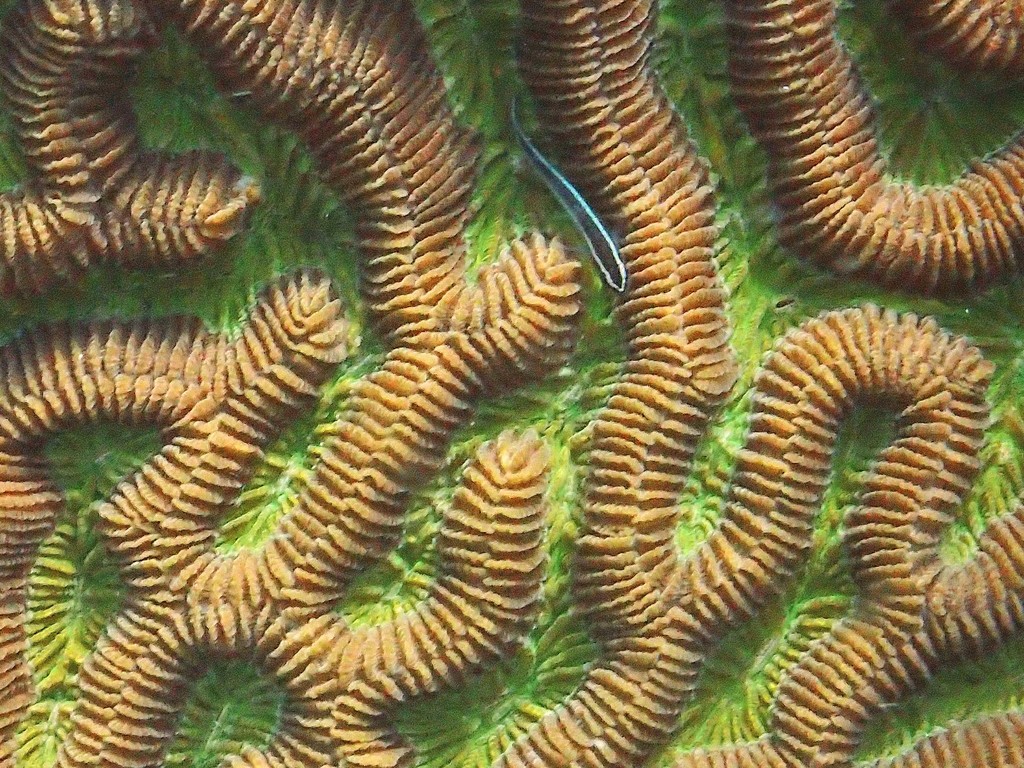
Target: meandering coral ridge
{"x":804,"y":100}
{"x":92,"y":194}
{"x":354,"y":80}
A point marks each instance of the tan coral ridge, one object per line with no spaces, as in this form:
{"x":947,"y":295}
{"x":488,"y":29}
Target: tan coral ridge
{"x":356,"y":82}
{"x":914,"y":612}
{"x":800,"y":92}
{"x":658,"y":617}
{"x":975,"y":35}
{"x":452,"y":344}
{"x":219,"y":404}
{"x":169,"y":373}
{"x":93,"y":195}
{"x":623,"y":145}
{"x":387,"y":140}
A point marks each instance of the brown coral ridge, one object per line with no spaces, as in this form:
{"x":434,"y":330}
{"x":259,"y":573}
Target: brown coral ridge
{"x":968,"y":609}
{"x":492,"y":564}
{"x":815,"y":376}
{"x":170,"y":373}
{"x":588,"y":67}
{"x":491,"y":567}
{"x":805,"y":103}
{"x":356,"y":81}
{"x":502,"y":331}
{"x":914,"y":612}
{"x":375,"y":114}
{"x":974,"y":35}
{"x":991,"y":742}
{"x":658,"y":618}
{"x":93,"y":195}
{"x":274,"y":605}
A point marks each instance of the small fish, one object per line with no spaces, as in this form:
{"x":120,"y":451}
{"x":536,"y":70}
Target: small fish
{"x":599,"y":240}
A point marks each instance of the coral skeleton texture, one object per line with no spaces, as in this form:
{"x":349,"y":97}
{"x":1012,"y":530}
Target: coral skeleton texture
{"x":563,"y":557}
{"x":804,"y":101}
{"x":93,"y":195}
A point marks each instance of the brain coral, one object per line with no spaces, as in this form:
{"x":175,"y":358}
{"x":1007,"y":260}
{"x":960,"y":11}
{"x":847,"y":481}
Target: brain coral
{"x":322,"y":444}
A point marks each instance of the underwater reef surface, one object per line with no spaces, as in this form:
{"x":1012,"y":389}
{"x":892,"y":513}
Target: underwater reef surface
{"x":323,"y":442}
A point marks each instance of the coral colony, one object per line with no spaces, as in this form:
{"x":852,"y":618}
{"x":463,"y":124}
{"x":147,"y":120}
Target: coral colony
{"x":354,"y":80}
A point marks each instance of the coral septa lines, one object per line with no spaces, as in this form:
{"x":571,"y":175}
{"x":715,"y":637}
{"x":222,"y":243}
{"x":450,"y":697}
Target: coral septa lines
{"x":93,"y":194}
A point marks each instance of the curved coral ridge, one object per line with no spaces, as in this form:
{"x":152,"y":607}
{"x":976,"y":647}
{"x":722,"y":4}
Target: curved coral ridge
{"x":983,"y":36}
{"x":220,"y":403}
{"x":355,"y":82}
{"x":643,"y":174}
{"x":800,"y":92}
{"x":491,"y":567}
{"x":93,"y":195}
{"x":659,"y":616}
{"x":914,"y":611}
{"x":168,"y":373}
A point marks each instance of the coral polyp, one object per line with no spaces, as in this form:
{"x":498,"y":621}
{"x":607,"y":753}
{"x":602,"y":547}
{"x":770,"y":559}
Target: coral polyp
{"x":320,"y":445}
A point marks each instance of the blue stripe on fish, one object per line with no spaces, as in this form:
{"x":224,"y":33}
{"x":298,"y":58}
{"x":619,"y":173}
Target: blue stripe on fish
{"x":603,"y":248}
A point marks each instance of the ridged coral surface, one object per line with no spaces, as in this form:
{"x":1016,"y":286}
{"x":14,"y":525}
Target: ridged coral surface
{"x":322,"y":443}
